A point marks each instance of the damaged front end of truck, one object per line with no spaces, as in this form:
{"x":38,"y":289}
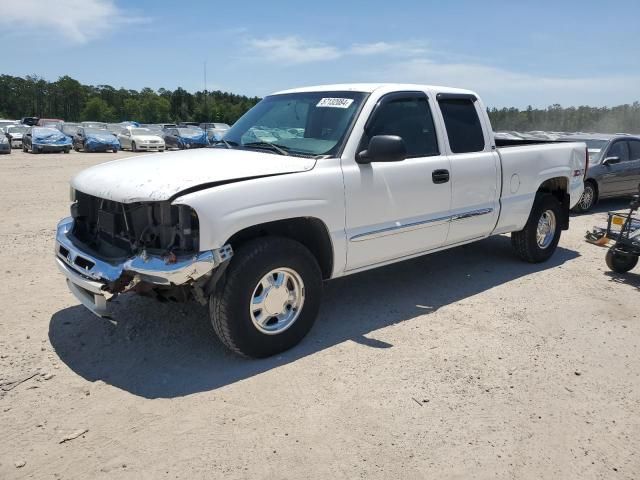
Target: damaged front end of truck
{"x":107,"y":248}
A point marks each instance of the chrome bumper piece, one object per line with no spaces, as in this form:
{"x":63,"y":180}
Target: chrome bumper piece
{"x":90,"y":278}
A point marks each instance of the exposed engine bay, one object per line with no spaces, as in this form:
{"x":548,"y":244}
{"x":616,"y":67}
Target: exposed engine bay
{"x":114,"y":230}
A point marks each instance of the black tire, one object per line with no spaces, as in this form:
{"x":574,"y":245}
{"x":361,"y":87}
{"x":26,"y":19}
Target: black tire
{"x":525,"y":241}
{"x":67,"y":150}
{"x":25,"y":149}
{"x":588,"y":199}
{"x":229,"y":304}
{"x":133,"y":147}
{"x":76,"y":148}
{"x":620,"y":262}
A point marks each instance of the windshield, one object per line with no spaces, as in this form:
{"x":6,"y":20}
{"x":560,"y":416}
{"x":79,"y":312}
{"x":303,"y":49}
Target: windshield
{"x":594,"y":147}
{"x":98,"y":131}
{"x":306,"y":123}
{"x":141,"y":131}
{"x":69,"y":129}
{"x":190,"y":132}
{"x":17,"y":129}
{"x":45,"y":131}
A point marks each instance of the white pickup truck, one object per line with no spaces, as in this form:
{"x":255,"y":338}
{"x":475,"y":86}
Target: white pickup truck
{"x":309,"y":185}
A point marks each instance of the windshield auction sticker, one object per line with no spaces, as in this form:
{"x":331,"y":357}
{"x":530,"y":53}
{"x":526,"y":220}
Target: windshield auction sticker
{"x":335,"y":102}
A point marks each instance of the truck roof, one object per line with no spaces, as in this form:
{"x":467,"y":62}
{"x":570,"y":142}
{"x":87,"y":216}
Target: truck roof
{"x":371,"y":87}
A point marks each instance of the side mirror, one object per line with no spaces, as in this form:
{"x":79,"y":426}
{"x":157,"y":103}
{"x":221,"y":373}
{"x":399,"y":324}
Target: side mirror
{"x":611,"y":160}
{"x":383,"y":148}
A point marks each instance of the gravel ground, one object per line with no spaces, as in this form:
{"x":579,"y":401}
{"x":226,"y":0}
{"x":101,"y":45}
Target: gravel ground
{"x":462,"y":364}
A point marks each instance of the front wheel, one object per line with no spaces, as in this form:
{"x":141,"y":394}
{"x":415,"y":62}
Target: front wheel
{"x":537,"y":241}
{"x":587,"y":199}
{"x":620,"y":262}
{"x":268,"y":298}
{"x":133,"y":147}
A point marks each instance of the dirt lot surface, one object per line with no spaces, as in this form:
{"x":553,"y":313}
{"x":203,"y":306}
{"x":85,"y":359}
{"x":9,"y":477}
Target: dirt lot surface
{"x":463,"y":364}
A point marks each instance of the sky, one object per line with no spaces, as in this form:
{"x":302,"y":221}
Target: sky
{"x":511,"y":53}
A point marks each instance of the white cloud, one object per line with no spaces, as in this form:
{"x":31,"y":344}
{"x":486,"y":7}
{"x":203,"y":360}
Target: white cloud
{"x":79,"y":21}
{"x":294,"y":50}
{"x":413,"y":62}
{"x":500,"y":86}
{"x":380,"y":48}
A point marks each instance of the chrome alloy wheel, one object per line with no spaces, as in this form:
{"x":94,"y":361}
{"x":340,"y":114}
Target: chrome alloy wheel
{"x":586,"y":200}
{"x":546,"y":229}
{"x":277,"y":301}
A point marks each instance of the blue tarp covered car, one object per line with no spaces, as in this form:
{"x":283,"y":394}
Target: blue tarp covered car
{"x":95,"y":140}
{"x":45,"y":139}
{"x":186,"y":137}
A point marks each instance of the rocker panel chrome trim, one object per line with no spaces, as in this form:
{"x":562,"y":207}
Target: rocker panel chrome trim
{"x":396,"y":229}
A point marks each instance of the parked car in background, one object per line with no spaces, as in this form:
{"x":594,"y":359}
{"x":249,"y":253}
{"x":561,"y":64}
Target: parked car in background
{"x":5,"y":123}
{"x":215,"y":131}
{"x":311,"y":184}
{"x":15,"y":133}
{"x":5,"y":143}
{"x":45,"y":139}
{"x":30,"y":121}
{"x":185,"y":137}
{"x":92,"y":139}
{"x":98,"y":125}
{"x":69,"y":128}
{"x":614,"y":167}
{"x":49,"y":122}
{"x":116,"y":128}
{"x":141,"y":139}
{"x":162,"y":126}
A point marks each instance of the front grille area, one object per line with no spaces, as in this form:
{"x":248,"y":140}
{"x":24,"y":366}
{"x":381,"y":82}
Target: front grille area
{"x":116,"y":230}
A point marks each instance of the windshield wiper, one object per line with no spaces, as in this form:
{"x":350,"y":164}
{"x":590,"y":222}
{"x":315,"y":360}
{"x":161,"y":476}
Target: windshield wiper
{"x":226,"y":144}
{"x":276,"y":148}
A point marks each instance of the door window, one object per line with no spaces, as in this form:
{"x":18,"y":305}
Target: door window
{"x":619,"y":149}
{"x":634,"y":149}
{"x":464,"y":129}
{"x":409,"y":118}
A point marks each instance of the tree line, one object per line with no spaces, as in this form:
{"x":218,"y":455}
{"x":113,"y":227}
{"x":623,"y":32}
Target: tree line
{"x":72,"y":101}
{"x":68,"y":99}
{"x":621,"y":118}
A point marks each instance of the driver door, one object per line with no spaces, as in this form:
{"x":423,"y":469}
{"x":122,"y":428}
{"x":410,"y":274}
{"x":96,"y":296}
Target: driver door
{"x":398,"y":209}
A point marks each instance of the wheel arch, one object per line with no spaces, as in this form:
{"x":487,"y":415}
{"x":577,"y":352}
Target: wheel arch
{"x":559,"y":188}
{"x":309,"y":231}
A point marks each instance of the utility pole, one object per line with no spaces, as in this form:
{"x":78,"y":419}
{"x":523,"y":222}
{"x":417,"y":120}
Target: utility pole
{"x":206,"y":111}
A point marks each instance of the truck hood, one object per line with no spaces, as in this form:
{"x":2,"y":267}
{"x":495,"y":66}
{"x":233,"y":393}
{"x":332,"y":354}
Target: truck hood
{"x":161,"y":176}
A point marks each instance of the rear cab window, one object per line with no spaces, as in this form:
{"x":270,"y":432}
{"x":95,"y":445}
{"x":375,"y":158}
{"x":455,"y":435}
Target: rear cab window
{"x":461,"y":120}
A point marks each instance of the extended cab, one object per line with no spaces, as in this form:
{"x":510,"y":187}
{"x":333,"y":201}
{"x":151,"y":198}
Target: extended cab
{"x":309,"y":185}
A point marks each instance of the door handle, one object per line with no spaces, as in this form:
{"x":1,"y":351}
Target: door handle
{"x":440,"y":176}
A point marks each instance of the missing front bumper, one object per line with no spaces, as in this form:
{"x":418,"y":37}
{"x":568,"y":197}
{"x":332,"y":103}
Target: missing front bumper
{"x":94,"y":282}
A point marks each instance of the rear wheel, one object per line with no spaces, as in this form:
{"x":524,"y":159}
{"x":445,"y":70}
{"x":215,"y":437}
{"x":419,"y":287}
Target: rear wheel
{"x":620,"y":262}
{"x":537,"y":241}
{"x":133,"y":147}
{"x":268,"y":298}
{"x":588,"y":198}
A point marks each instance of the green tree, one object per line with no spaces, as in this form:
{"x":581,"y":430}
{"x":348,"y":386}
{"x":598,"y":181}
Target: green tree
{"x":97,"y":109}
